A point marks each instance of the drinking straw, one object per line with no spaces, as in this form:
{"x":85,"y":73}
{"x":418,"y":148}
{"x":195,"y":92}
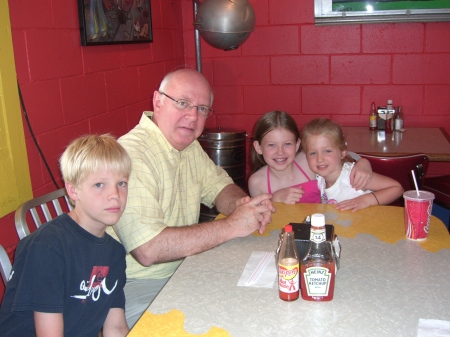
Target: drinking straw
{"x":415,"y":182}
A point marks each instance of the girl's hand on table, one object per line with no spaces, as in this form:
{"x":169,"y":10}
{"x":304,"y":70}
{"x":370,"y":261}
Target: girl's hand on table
{"x":288,"y":195}
{"x":356,"y":204}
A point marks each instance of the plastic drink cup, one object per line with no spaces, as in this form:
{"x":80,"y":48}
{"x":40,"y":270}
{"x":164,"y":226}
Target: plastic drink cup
{"x":417,"y":214}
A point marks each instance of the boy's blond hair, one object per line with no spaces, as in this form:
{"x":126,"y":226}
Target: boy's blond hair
{"x":90,"y":153}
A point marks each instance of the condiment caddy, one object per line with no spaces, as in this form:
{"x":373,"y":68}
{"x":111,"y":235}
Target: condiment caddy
{"x":304,"y":235}
{"x":388,"y":118}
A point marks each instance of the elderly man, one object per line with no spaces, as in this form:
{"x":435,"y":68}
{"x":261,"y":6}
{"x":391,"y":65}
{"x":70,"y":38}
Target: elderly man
{"x":171,"y":176}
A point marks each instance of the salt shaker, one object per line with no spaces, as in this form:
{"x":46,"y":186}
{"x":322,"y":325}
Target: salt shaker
{"x":399,"y":119}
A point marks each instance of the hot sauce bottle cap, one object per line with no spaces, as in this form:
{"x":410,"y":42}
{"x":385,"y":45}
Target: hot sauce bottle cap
{"x":318,"y":220}
{"x":288,"y":228}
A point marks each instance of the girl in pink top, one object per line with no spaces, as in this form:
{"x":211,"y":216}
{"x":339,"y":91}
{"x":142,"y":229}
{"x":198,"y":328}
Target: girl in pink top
{"x":279,"y":168}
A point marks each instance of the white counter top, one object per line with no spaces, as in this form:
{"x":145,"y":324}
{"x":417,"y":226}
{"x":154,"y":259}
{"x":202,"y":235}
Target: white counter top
{"x":382,"y":289}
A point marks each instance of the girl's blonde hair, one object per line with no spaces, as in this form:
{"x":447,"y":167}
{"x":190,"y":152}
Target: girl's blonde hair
{"x":90,"y":153}
{"x":270,"y":121}
{"x":328,"y":128}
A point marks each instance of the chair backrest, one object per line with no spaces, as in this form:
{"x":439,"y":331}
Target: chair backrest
{"x":399,"y":168}
{"x":42,"y":210}
{"x":5,"y":265}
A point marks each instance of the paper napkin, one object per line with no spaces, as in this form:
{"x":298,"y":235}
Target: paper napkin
{"x":260,"y":271}
{"x":433,"y":328}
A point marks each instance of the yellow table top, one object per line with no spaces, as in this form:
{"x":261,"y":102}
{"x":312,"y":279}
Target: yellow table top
{"x":384,"y":222}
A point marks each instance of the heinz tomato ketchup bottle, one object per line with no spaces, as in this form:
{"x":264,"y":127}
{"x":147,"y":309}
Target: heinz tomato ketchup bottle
{"x":317,"y":269}
{"x":288,"y":267}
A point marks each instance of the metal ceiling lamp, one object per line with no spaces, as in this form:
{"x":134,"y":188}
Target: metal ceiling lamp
{"x":223,"y":24}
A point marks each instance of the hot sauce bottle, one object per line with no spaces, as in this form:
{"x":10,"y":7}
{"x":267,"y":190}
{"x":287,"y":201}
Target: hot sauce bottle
{"x":288,"y":267}
{"x":317,"y":269}
{"x":373,"y":117}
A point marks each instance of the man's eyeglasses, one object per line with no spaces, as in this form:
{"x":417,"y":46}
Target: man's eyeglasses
{"x":183,"y":104}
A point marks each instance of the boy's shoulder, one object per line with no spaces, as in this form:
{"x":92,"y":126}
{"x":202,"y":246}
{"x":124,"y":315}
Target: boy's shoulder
{"x":51,"y":234}
{"x":113,"y":242}
{"x":63,"y":238}
{"x":63,"y":230}
{"x":51,"y":229}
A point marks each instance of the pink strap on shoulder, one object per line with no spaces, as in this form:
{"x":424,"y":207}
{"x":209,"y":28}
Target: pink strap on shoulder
{"x":299,"y":167}
{"x":268,"y":180}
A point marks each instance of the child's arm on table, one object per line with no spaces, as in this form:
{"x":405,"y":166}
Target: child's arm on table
{"x":385,"y":190}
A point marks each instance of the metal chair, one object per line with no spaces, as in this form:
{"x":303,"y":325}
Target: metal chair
{"x":42,"y":210}
{"x":5,"y":265}
{"x":399,"y":168}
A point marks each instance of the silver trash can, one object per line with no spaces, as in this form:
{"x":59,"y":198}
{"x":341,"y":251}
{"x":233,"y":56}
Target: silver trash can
{"x":227,"y":148}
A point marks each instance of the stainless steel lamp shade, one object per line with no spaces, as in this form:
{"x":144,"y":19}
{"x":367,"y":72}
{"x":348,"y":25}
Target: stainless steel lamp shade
{"x":225,"y":24}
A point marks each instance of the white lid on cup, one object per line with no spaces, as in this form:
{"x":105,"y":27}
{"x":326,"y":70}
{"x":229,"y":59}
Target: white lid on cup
{"x":423,"y":195}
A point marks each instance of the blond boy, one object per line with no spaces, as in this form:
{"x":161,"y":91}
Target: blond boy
{"x":68,"y":276}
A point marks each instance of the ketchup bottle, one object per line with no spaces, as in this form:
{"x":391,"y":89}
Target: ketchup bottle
{"x":318,"y":268}
{"x":288,"y":267}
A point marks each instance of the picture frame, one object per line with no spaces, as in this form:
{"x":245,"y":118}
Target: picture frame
{"x":104,"y":22}
{"x":328,"y":12}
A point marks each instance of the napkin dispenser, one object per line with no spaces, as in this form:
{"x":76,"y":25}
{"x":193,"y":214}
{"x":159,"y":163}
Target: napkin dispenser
{"x":302,"y":235}
{"x":383,"y":114}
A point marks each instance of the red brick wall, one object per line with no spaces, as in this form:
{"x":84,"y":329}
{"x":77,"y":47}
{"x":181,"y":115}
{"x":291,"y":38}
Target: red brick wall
{"x":287,"y":63}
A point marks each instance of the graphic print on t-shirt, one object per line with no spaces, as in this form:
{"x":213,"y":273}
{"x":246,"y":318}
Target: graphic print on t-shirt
{"x":96,"y":283}
{"x":98,"y":274}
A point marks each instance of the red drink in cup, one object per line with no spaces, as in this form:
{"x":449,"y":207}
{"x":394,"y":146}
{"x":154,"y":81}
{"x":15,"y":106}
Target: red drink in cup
{"x":417,"y":214}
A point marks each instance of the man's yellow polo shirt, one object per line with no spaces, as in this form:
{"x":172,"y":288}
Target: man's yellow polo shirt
{"x":165,"y":188}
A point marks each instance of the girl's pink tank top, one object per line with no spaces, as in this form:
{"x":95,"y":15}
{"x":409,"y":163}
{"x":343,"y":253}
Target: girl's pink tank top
{"x":311,"y":188}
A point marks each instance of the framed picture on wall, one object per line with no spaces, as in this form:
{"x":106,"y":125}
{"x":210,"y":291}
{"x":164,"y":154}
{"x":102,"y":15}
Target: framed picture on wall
{"x":114,"y":21}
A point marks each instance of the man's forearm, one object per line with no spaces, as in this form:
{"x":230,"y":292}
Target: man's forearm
{"x":175,"y":243}
{"x":226,"y":200}
{"x":245,"y":216}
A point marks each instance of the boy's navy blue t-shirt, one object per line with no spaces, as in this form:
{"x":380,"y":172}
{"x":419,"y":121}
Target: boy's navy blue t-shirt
{"x":62,"y":268}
